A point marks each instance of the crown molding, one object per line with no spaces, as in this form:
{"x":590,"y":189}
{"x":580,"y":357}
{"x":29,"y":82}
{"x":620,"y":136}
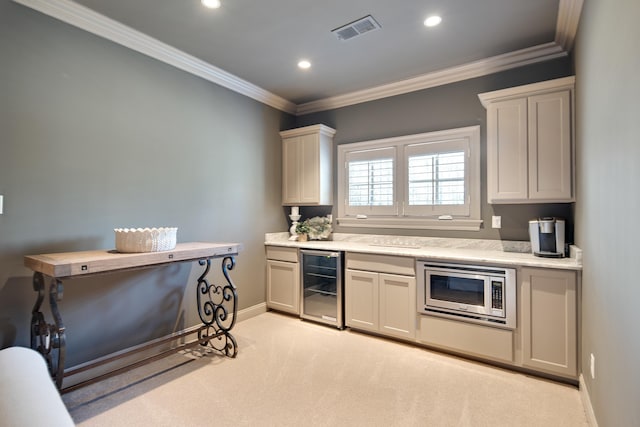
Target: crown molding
{"x":539,"y":88}
{"x":566,"y":29}
{"x":567,"y":24}
{"x":86,"y":19}
{"x":483,"y":67}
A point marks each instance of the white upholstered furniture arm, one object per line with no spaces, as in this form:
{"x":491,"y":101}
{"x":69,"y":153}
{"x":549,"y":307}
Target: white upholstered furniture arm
{"x":28,"y":396}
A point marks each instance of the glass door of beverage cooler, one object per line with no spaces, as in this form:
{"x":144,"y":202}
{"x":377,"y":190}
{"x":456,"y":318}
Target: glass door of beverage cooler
{"x":322,"y":287}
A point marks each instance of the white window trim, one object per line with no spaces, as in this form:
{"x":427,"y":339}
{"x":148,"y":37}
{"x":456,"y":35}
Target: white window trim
{"x":471,"y":222}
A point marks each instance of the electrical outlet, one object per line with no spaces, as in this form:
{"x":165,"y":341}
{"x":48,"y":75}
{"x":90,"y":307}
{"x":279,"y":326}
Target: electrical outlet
{"x":496,"y":221}
{"x":593,"y":367}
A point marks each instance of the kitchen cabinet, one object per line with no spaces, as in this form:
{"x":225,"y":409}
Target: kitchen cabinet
{"x":307,"y":165}
{"x":467,"y":338}
{"x":529,"y":143}
{"x":283,"y":279}
{"x":549,"y":321}
{"x":380,"y":294}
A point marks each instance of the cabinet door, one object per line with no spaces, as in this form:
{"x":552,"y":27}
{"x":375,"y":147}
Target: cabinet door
{"x":549,"y":321}
{"x":307,"y":171}
{"x":486,"y":342}
{"x":550,"y":147}
{"x":397,"y":305}
{"x":290,"y":166}
{"x":309,"y":168}
{"x":361,"y":300}
{"x":301,"y":169}
{"x":283,"y":286}
{"x":507,"y":174}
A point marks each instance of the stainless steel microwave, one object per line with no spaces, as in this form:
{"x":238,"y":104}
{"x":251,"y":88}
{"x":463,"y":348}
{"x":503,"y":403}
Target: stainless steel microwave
{"x":479,"y":294}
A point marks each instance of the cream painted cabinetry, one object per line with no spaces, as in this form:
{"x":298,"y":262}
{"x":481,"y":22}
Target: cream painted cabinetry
{"x":380,"y":294}
{"x":549,"y":321}
{"x":283,"y":279}
{"x":468,"y":338}
{"x":307,"y":166}
{"x":529,"y":143}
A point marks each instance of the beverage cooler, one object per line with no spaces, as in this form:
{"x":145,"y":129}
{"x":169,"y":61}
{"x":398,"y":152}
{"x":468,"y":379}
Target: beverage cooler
{"x":322,"y":289}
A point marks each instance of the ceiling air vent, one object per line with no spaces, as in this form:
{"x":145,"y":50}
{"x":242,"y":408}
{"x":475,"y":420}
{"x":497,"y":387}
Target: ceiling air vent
{"x":356,"y":28}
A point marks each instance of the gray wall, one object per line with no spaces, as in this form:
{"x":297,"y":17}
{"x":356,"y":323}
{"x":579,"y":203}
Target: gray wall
{"x":608,"y":206}
{"x":95,"y":136}
{"x":445,"y":107}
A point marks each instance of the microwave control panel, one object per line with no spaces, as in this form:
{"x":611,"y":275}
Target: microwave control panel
{"x":496,"y":294}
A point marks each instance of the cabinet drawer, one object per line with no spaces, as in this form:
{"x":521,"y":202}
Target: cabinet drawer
{"x":280,"y":253}
{"x":477,"y":340}
{"x":405,"y":266}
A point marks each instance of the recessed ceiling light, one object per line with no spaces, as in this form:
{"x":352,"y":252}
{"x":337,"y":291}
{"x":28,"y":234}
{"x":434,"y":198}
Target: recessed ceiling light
{"x":304,"y":64}
{"x":432,"y":21}
{"x":211,"y":4}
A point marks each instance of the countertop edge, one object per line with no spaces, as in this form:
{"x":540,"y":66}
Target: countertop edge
{"x":443,"y":253}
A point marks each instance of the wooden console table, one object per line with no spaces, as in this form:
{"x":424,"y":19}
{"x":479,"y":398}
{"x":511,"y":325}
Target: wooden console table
{"x":217,"y":304}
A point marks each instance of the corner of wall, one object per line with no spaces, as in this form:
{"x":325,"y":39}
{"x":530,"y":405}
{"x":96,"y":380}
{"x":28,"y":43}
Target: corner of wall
{"x":586,"y":402}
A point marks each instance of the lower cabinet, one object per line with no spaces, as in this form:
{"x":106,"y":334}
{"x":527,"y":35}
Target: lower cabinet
{"x":378,"y":300}
{"x":380,"y":297}
{"x":283,"y":279}
{"x":464,"y":337}
{"x":546,"y":336}
{"x":549,"y":321}
{"x":362,"y":299}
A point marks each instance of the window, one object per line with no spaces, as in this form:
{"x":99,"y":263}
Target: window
{"x":370,"y":182}
{"x":430,"y":180}
{"x":437,"y":181}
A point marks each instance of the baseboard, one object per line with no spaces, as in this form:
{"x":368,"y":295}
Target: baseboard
{"x":586,"y":402}
{"x":252,"y":311}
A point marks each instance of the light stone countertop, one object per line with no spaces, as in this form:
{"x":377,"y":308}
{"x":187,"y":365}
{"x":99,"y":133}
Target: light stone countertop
{"x":500,"y":252}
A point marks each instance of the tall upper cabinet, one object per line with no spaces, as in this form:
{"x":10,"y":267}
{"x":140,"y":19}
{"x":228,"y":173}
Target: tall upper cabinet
{"x":307,"y":169}
{"x":530,"y":143}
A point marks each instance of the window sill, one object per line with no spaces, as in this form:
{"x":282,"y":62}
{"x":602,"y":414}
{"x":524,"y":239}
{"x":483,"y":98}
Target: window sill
{"x":413,"y":223}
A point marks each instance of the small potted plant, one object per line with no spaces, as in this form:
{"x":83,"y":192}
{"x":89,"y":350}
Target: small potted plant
{"x":302,"y":229}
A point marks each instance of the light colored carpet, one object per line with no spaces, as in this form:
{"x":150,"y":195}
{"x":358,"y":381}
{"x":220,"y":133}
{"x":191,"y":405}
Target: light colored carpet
{"x":294,"y":373}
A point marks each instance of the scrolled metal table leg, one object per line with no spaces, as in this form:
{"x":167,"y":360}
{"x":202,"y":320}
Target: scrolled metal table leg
{"x":218,"y":309}
{"x":58,"y":331}
{"x":40,"y":339}
{"x":47,"y":338}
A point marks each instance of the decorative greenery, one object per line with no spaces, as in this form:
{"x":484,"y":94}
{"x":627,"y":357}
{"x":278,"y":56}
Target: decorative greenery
{"x":303,"y":227}
{"x":319,"y":228}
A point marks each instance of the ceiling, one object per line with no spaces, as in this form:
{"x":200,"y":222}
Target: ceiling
{"x":259,"y":43}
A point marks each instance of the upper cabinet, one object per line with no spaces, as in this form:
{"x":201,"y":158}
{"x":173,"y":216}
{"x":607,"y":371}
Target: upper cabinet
{"x":530,"y":143}
{"x":307,"y":167}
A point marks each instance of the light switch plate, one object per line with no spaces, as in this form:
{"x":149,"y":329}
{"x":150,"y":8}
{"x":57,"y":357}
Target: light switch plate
{"x":1,"y":199}
{"x":496,"y":221}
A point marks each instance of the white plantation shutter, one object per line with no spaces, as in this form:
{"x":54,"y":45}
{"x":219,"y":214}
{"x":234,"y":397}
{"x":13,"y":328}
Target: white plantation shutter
{"x":437,"y":178}
{"x":427,"y":180}
{"x":371,"y":182}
